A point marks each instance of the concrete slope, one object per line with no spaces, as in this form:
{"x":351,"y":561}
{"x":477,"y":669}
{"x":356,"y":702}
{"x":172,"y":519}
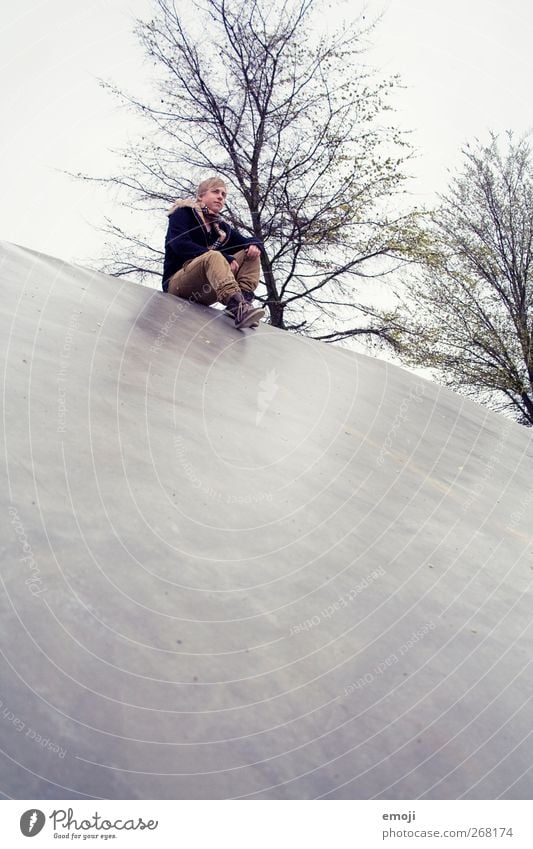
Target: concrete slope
{"x":248,"y":565}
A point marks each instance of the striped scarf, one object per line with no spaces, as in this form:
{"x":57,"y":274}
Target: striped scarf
{"x":214,"y":221}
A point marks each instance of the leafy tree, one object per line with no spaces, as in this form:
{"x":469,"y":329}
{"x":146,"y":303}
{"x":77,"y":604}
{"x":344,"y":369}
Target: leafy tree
{"x":259,"y":93}
{"x":471,"y":313}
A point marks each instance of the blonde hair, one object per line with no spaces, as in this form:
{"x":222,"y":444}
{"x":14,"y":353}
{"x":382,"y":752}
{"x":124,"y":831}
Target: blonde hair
{"x":210,"y":183}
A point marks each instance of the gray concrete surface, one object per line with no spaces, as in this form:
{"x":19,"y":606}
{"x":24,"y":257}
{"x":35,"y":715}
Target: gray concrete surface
{"x":248,"y":565}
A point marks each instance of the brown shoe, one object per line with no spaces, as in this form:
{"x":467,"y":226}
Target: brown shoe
{"x":244,"y":314}
{"x":249,"y":298}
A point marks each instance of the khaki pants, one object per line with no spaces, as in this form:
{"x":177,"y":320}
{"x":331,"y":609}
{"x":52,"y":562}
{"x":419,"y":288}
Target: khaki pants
{"x":208,"y":278}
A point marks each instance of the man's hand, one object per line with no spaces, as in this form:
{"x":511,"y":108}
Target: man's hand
{"x":253,"y":251}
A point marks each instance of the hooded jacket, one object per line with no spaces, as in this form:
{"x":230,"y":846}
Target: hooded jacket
{"x":188,"y":237}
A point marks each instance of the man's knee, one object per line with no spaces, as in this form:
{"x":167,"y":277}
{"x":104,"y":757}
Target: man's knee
{"x":215,"y":260}
{"x":244,"y":256}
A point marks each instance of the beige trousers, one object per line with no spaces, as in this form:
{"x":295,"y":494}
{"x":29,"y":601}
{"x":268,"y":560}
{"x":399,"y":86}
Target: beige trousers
{"x":208,"y":278}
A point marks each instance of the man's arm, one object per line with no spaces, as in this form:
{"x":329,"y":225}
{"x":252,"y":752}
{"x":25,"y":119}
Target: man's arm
{"x":238,"y":242}
{"x":182,"y":225}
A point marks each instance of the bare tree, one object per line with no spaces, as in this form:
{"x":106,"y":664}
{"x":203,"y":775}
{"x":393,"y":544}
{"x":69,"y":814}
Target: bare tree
{"x":291,"y":119}
{"x":471,"y":314}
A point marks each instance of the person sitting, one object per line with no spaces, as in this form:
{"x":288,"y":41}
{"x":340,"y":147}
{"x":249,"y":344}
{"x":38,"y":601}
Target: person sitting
{"x":207,"y":260}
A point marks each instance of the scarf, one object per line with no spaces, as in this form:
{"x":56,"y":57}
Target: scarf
{"x":215,"y":220}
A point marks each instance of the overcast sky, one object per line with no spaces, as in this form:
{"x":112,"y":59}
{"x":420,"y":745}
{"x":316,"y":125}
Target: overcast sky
{"x":466,"y":65}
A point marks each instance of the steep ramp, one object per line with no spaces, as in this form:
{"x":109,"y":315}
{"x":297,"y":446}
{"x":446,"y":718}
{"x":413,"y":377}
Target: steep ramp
{"x":249,"y":565}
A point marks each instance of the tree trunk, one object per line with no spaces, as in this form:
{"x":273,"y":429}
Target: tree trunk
{"x":276,"y":314}
{"x":528,"y":404}
{"x":275,"y":306}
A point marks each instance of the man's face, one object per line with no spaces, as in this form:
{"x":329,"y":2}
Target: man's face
{"x":214,"y":198}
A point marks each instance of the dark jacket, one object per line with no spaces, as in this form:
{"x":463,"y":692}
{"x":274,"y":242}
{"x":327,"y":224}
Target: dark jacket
{"x":188,"y":237}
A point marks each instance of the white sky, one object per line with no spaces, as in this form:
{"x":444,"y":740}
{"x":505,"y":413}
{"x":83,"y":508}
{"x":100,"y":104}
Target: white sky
{"x":466,"y":64}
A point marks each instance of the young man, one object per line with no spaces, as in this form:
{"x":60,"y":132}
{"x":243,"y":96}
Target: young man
{"x":206,"y":260}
